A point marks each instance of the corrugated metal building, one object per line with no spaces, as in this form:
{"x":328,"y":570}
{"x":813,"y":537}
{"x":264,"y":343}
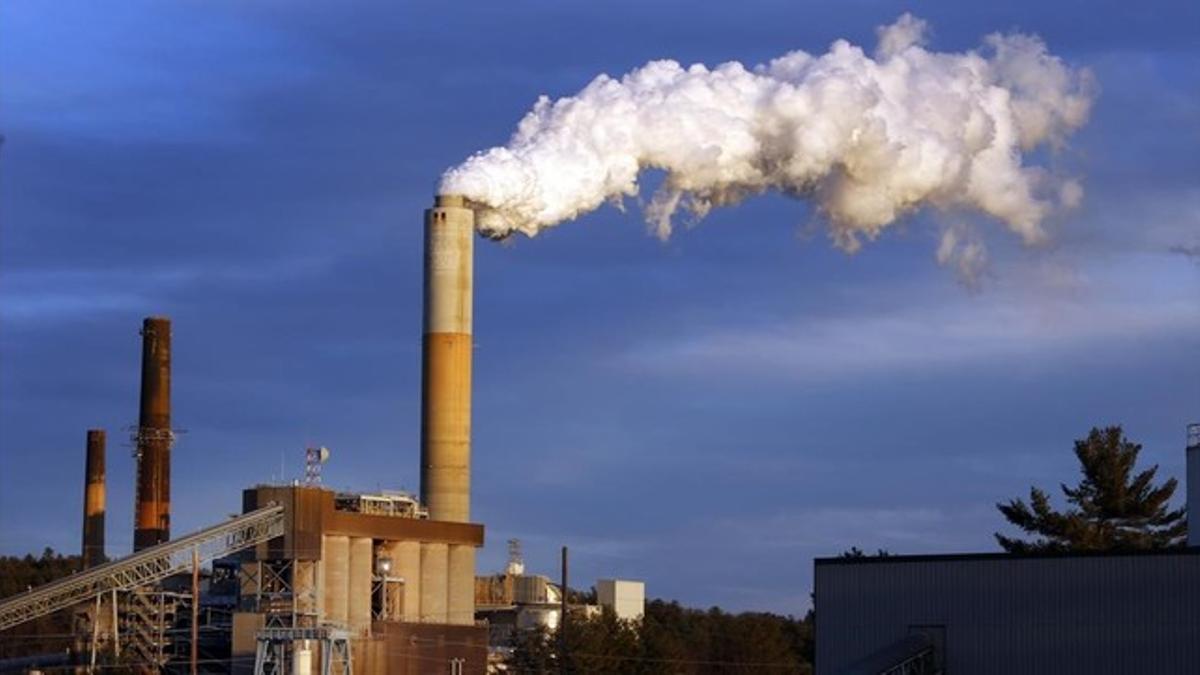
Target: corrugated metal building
{"x":1000,"y":614}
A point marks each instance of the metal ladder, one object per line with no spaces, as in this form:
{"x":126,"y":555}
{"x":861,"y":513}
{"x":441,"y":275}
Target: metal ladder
{"x":147,"y":566}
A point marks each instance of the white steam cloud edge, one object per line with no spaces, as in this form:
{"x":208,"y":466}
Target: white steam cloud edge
{"x":867,"y":138}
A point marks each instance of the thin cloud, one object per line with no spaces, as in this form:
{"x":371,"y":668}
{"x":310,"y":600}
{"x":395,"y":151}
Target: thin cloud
{"x":1189,"y":251}
{"x":1067,"y":314}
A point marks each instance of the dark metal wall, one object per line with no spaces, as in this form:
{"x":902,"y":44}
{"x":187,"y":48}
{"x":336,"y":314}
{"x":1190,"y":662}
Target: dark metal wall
{"x":417,"y":649}
{"x":1093,"y":615}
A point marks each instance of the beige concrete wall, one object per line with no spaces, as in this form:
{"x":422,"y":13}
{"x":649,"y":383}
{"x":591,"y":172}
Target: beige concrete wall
{"x":336,"y":566}
{"x":435,"y":563}
{"x":245,"y":627}
{"x":461,"y":591}
{"x":359,"y":586}
{"x":626,"y":598}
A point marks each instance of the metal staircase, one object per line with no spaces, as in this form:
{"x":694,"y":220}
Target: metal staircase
{"x":917,"y":654}
{"x":147,"y":566}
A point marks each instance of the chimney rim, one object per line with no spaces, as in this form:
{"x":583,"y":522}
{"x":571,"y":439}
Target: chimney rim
{"x":449,"y":200}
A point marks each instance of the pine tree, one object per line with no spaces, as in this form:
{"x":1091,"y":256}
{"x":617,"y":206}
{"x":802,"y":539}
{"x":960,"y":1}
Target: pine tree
{"x":1110,"y":509}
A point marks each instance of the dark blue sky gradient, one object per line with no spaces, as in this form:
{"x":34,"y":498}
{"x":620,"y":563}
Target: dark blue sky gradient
{"x":706,"y":414}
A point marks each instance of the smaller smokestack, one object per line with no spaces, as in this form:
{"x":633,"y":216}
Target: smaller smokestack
{"x":152,"y":516}
{"x":1193,"y":484}
{"x":93,"y":500}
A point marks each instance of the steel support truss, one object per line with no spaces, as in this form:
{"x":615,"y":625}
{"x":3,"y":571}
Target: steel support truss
{"x":148,"y":566}
{"x":274,"y":646}
{"x":285,"y":591}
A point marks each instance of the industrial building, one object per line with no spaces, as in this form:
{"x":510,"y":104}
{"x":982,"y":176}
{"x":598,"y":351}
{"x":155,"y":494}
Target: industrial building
{"x":515,"y":600}
{"x":999,"y":613}
{"x":626,"y":598}
{"x":398,"y":586}
{"x":305,"y":579}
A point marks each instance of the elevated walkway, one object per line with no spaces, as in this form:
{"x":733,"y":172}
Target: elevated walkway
{"x":147,"y":566}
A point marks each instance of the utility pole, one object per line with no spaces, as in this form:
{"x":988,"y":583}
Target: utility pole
{"x":195,"y":606}
{"x":95,"y":632}
{"x":562,"y":621}
{"x":116,"y":627}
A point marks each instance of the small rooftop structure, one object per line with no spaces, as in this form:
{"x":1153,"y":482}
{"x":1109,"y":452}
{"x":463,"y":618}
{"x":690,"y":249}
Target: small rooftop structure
{"x":384,"y":503}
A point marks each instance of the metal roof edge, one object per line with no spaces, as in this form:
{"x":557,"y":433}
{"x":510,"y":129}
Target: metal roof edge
{"x":999,"y":555}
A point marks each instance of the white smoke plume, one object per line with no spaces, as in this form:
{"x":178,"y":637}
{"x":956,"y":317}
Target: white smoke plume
{"x":867,"y":138}
{"x":963,"y":251}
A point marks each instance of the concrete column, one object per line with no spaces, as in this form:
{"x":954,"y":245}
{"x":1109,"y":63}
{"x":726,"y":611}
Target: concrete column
{"x":446,"y":360}
{"x":462,"y":585}
{"x":359,"y":591}
{"x":337,"y":579}
{"x":321,"y":565}
{"x":406,"y":564}
{"x":435,"y":563}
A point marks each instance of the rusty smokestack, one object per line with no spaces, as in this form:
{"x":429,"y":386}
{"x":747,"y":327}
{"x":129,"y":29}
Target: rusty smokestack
{"x":152,"y":511}
{"x":93,"y":500}
{"x":446,"y":360}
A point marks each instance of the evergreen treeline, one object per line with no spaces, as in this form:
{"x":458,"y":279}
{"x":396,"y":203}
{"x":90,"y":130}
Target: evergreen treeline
{"x":45,"y":634}
{"x":672,"y":639}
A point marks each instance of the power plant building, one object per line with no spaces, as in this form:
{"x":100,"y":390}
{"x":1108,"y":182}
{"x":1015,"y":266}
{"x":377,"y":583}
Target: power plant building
{"x":388,"y":577}
{"x":515,"y":601}
{"x":394,"y":578}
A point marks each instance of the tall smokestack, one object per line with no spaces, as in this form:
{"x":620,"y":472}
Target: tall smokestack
{"x":1193,"y":484}
{"x":446,"y":360}
{"x":93,"y":500}
{"x":152,"y":512}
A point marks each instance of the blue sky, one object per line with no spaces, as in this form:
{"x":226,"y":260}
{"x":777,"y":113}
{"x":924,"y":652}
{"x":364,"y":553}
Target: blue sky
{"x":707,"y":414}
